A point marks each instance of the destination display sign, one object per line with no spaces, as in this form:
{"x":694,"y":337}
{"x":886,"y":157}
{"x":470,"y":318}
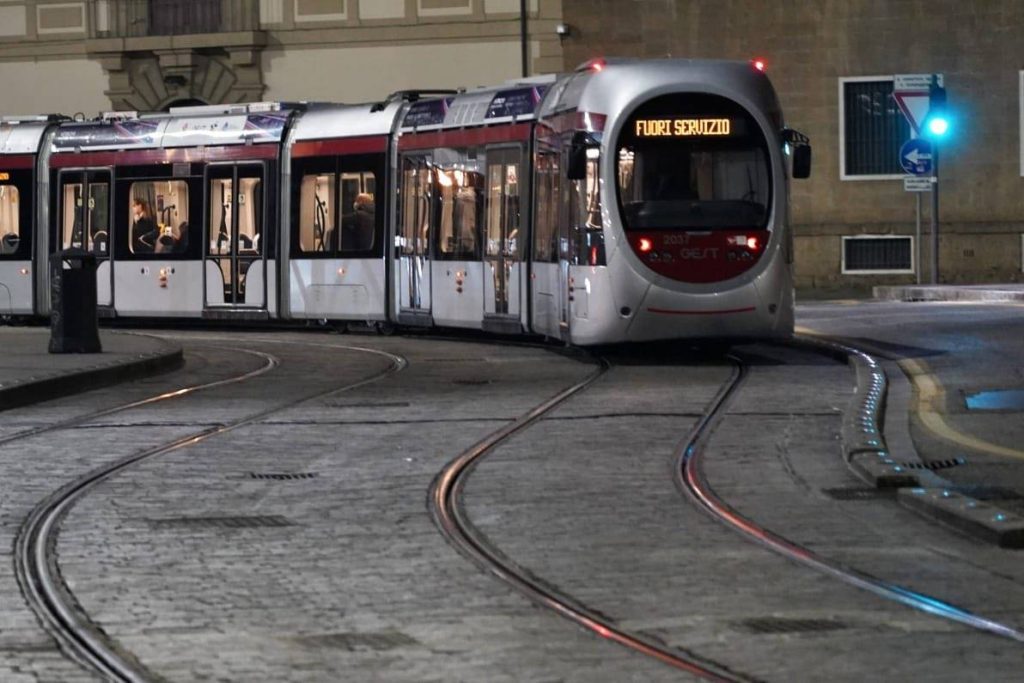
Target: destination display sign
{"x":683,"y":127}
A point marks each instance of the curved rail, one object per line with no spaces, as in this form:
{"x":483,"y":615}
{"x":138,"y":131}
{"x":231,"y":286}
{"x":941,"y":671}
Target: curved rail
{"x":445,"y":494}
{"x":691,"y":480}
{"x":36,"y":567}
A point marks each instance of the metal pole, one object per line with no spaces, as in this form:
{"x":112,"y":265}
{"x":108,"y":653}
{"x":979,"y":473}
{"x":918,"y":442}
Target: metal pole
{"x":935,"y":213}
{"x":524,"y":45}
{"x":917,"y":238}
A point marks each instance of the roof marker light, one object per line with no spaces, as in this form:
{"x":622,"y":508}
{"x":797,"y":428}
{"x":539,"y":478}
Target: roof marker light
{"x":759,"y":64}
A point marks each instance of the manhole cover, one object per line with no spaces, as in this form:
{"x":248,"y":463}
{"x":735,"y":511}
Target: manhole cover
{"x":783,"y":625}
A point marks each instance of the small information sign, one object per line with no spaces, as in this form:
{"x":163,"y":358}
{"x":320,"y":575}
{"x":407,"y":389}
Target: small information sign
{"x":917,"y":184}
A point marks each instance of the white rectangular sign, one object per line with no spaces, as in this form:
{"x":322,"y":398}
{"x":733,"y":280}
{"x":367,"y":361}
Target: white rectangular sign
{"x":916,"y":184}
{"x":913,"y":81}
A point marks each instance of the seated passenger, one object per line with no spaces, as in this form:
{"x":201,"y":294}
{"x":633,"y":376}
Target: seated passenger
{"x":357,"y":227}
{"x":144,"y":233}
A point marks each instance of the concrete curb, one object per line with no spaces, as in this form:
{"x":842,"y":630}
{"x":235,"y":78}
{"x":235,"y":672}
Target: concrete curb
{"x":947,"y":293}
{"x":41,"y":389}
{"x":976,"y":518}
{"x":867,"y":453}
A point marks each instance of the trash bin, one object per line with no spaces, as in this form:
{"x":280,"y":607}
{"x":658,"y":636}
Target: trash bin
{"x":74,"y":323}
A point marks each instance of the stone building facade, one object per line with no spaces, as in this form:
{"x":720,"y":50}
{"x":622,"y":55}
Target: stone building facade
{"x":817,"y":52}
{"x":99,"y":55}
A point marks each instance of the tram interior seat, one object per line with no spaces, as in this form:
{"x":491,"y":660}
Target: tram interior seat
{"x":9,"y":243}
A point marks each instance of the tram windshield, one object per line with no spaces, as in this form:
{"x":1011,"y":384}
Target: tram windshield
{"x":693,"y":161}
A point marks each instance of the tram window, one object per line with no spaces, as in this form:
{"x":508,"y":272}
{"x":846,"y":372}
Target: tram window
{"x":415,"y":228}
{"x":250,"y":212}
{"x":503,"y":215}
{"x":359,"y":217}
{"x":10,"y":220}
{"x":221,"y":206}
{"x":460,"y":213}
{"x":80,"y":212}
{"x":585,"y":216}
{"x":158,"y":217}
{"x":317,"y":212}
{"x":546,"y":231}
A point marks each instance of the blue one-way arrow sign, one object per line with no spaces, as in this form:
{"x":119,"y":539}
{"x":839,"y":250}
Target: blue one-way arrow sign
{"x":916,"y":156}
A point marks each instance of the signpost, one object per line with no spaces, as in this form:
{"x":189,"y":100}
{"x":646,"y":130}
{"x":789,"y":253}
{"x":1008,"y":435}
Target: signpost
{"x":919,"y":157}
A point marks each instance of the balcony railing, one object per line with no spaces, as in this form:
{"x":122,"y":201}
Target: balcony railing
{"x":137,"y":18}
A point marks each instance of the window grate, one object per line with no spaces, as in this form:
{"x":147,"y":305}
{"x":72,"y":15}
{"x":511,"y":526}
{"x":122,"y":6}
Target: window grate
{"x":873,"y":129}
{"x":875,"y":254}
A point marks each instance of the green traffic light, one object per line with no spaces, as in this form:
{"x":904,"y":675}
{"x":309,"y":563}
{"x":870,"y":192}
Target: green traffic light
{"x":938,"y":126}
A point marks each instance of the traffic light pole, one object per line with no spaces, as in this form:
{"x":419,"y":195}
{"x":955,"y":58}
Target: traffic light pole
{"x":935,"y":212}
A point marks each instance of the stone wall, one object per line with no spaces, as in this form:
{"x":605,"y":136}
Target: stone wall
{"x":808,"y":46}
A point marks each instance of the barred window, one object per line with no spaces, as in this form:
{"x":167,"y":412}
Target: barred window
{"x":875,"y":254}
{"x":873,"y":128}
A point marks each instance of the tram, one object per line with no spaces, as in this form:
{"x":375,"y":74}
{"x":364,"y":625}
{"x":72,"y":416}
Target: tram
{"x":629,"y":200}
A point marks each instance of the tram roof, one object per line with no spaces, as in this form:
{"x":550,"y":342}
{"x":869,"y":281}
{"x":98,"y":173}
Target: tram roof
{"x":23,"y":134}
{"x":182,"y":127}
{"x":516,"y":100}
{"x":346,"y":120}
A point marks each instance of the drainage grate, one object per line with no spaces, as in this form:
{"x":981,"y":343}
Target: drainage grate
{"x":782,"y":625}
{"x":378,"y":642}
{"x":934,"y":464}
{"x":283,"y":476}
{"x":251,"y":522}
{"x":472,"y":382}
{"x":371,"y":404}
{"x":857,"y":493}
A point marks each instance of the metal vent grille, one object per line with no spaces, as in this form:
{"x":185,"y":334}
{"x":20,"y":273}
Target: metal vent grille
{"x":856,"y":493}
{"x":283,"y":476}
{"x":878,"y":254}
{"x":250,"y":522}
{"x":935,"y":464}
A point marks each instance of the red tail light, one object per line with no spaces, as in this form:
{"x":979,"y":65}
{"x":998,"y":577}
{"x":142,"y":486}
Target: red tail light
{"x":645,"y":245}
{"x":759,"y":64}
{"x":752,"y":243}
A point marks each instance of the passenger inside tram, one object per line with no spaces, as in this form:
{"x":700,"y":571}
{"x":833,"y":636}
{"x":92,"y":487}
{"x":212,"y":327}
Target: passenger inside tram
{"x":144,"y":232}
{"x":9,"y":233}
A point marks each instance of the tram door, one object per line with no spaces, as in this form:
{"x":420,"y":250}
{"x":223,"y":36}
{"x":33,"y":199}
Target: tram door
{"x":235,"y":255}
{"x":84,"y":222}
{"x":501,"y":253}
{"x":413,"y":246}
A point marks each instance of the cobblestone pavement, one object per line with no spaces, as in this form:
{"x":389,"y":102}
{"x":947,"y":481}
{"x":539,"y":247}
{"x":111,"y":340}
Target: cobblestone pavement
{"x":301,"y":547}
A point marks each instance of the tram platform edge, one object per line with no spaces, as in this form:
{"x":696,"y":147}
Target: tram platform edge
{"x":29,"y":373}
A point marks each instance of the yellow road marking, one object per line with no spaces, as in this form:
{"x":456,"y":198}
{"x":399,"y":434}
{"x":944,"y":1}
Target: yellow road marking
{"x":931,"y":397}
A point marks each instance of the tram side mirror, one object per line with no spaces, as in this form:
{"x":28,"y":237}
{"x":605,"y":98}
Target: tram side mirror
{"x":801,"y":146}
{"x":802,"y":161}
{"x":577,"y":169}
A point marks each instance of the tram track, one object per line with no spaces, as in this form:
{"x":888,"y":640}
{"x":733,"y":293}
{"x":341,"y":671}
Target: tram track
{"x":691,"y":480}
{"x":36,"y":566}
{"x":445,"y":497}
